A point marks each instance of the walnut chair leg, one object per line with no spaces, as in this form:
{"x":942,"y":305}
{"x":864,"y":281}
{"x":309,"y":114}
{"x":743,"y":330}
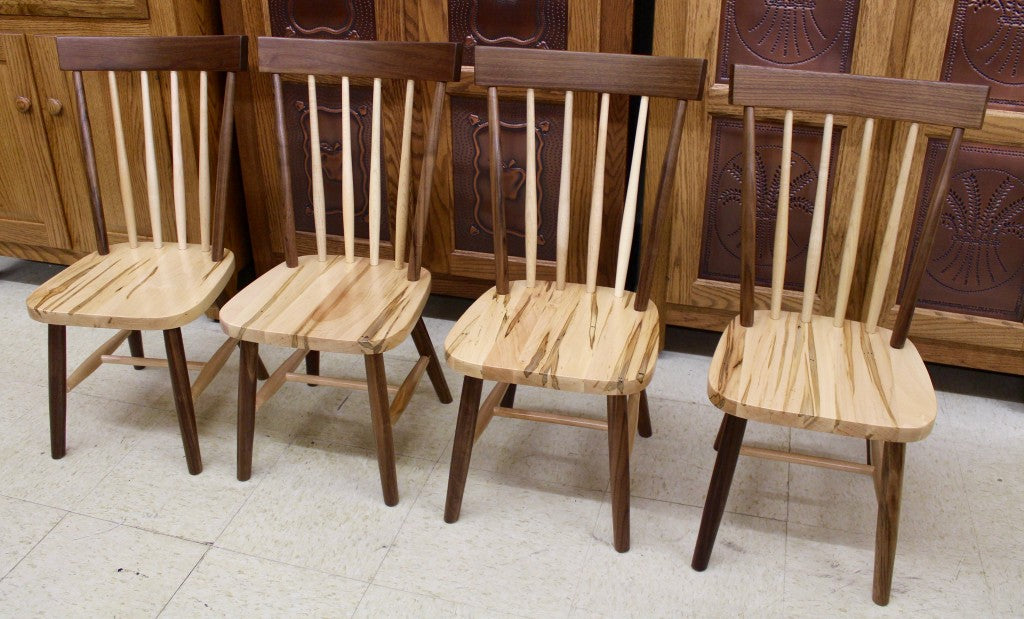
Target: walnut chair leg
{"x":182,"y":388}
{"x":135,"y":346}
{"x":618,"y":463}
{"x":509,"y":399}
{"x":58,"y":365}
{"x":643,"y":425}
{"x":247,"y":372}
{"x":261,"y":369}
{"x":718,"y":492}
{"x":421,"y":337}
{"x":377,"y":384}
{"x":313,"y":364}
{"x":462,"y":451}
{"x":888,"y":519}
{"x":721,"y":429}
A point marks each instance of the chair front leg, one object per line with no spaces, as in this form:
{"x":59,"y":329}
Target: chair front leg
{"x":58,"y":381}
{"x":247,"y":374}
{"x":462,"y":450}
{"x":135,"y":346}
{"x":509,"y":399}
{"x":644,"y":425}
{"x":618,"y":464}
{"x":891,"y":486}
{"x":182,"y":389}
{"x":731,"y":435}
{"x":377,"y":384}
{"x":421,"y":337}
{"x":313,"y":364}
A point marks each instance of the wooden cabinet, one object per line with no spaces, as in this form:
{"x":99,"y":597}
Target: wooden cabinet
{"x":44,"y":195}
{"x":972,"y":302}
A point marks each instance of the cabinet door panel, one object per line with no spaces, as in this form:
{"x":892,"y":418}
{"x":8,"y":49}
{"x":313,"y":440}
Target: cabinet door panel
{"x":110,"y":9}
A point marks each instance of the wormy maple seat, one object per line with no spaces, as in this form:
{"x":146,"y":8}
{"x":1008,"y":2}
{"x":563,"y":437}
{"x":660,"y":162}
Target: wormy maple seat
{"x":146,"y":284}
{"x":363,"y":305}
{"x":559,"y":334}
{"x":829,"y":373}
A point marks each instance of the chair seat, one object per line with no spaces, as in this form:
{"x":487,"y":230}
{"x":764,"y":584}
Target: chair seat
{"x":817,"y":376}
{"x":144,"y":288}
{"x":561,"y":339}
{"x":331,"y":306}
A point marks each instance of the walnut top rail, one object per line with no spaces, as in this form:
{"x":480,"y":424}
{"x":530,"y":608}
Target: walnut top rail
{"x":628,"y":74}
{"x":941,"y":103}
{"x":202,"y":53}
{"x":377,"y":59}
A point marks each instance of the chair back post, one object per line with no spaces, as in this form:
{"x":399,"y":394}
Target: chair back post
{"x":225,"y":154}
{"x":497,"y":199}
{"x":748,"y":220}
{"x":291,"y":256}
{"x":89,"y":155}
{"x":426,"y":184}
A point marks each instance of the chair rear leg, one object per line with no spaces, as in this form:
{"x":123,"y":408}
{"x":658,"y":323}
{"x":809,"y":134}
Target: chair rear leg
{"x":377,"y":384}
{"x":135,"y":346}
{"x":182,"y":388}
{"x":644,"y":422}
{"x":425,"y":347}
{"x":888,"y":519}
{"x":509,"y":399}
{"x":247,"y":373}
{"x":718,"y":492}
{"x":58,"y":381}
{"x":462,"y":451}
{"x":261,"y":369}
{"x":313,"y":364}
{"x":618,"y":462}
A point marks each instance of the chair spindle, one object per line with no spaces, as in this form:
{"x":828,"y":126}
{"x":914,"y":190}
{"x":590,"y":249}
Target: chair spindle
{"x":177,"y":164}
{"x":564,"y":193}
{"x":597,"y":197}
{"x":748,"y":220}
{"x":375,"y":139}
{"x":629,"y":210}
{"x":497,"y":200}
{"x":123,"y":173}
{"x":348,"y":198}
{"x":404,"y":172}
{"x":204,"y":162}
{"x":817,"y":222}
{"x":89,"y":155}
{"x":885,"y":255}
{"x":852,"y":239}
{"x":152,"y":179}
{"x":782,"y":217}
{"x":290,"y":252}
{"x":530,"y":215}
{"x":319,"y":208}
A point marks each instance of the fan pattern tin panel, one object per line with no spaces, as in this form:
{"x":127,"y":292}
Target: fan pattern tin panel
{"x":541,"y":24}
{"x":986,"y":46}
{"x":977,"y":265}
{"x":297,"y":128}
{"x":323,"y":19}
{"x":815,"y":35}
{"x":472,"y":159}
{"x":720,"y":249}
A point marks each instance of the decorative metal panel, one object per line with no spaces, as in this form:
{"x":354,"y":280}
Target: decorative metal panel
{"x":986,"y":46}
{"x":720,"y":250}
{"x":977,"y":264}
{"x":297,"y":128}
{"x":323,"y":19}
{"x":471,"y":156}
{"x":540,"y":24}
{"x":815,"y":35}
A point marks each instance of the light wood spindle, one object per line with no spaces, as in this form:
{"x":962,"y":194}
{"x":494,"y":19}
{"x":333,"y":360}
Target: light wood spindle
{"x":348,"y":198}
{"x":782,"y":217}
{"x":888,"y":250}
{"x":530,"y":215}
{"x":564,"y":192}
{"x":629,"y":210}
{"x":404,"y":172}
{"x":319,"y":209}
{"x":123,"y":173}
{"x":204,"y":162}
{"x":152,"y":180}
{"x":817,"y":222}
{"x":375,"y":176}
{"x":853,"y":226}
{"x":177,"y":164}
{"x":597,"y":197}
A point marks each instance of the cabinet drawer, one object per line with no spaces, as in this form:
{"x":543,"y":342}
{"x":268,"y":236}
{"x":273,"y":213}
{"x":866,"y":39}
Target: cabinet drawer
{"x":109,"y":9}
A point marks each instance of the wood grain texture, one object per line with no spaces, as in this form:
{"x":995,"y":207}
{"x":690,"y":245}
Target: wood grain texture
{"x":143,"y":288}
{"x":182,"y":53}
{"x":815,"y":376}
{"x":330,"y":306}
{"x":562,"y":339}
{"x":941,"y":103}
{"x":629,"y":74}
{"x":440,"y":62}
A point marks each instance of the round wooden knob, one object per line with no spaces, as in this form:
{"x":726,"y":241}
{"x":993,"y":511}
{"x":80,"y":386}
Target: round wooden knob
{"x":54,"y":106}
{"x":23,"y":103}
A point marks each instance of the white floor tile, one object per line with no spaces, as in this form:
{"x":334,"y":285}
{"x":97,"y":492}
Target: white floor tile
{"x":385,"y":602}
{"x":22,"y":525}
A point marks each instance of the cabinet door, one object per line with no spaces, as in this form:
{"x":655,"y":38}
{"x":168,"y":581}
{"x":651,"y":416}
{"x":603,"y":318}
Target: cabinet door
{"x":701,"y":262}
{"x":30,"y":211}
{"x":109,"y":9}
{"x":971,"y":304}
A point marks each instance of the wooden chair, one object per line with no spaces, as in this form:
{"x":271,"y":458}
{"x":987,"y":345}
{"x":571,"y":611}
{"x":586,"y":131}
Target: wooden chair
{"x":137,"y":285}
{"x":827,"y":373}
{"x":562,"y":335}
{"x":346,"y":304}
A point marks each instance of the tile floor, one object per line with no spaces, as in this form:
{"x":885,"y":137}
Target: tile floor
{"x":118,"y":527}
